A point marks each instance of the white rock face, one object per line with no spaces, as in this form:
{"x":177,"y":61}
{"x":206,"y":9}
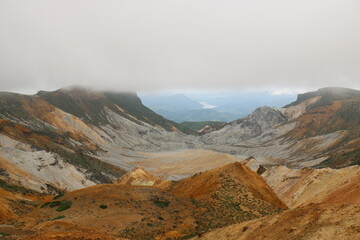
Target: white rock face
{"x":42,"y":166}
{"x":125,"y":143}
{"x":296,"y":154}
{"x":146,"y":137}
{"x":6,"y":142}
{"x":297,"y":110}
{"x":261,"y":120}
{"x":69,"y":122}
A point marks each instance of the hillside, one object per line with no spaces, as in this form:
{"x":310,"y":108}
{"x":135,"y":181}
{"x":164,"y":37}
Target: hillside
{"x":226,"y":195}
{"x":320,"y":129}
{"x":299,"y":187}
{"x":331,"y":221}
{"x":141,"y":206}
{"x":136,"y":212}
{"x":73,"y":138}
{"x":204,"y":185}
{"x":336,"y":110}
{"x":262,"y":119}
{"x":91,"y":106}
{"x":229,"y":202}
{"x":328,"y":95}
{"x":324,"y":204}
{"x":133,"y":208}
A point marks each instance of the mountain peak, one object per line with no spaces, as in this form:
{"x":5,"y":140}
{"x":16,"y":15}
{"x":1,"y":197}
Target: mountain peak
{"x":235,"y":178}
{"x":92,"y":107}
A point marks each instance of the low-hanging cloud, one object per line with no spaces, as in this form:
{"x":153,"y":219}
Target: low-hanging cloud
{"x":145,"y":45}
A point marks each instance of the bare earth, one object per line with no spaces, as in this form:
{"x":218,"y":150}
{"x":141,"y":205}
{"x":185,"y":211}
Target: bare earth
{"x":177,"y":165}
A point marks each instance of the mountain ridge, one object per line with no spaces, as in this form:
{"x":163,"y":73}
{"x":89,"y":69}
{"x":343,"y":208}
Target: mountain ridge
{"x":318,"y":131}
{"x":64,"y":131}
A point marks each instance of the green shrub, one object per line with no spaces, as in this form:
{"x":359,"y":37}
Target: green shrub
{"x":59,"y":217}
{"x":64,"y":205}
{"x":28,"y":203}
{"x":194,"y":202}
{"x":229,"y":198}
{"x":161,"y":204}
{"x":4,"y":234}
{"x":103,"y":206}
{"x":58,"y":196}
{"x":45,"y":204}
{"x":14,"y":188}
{"x":55,"y":204}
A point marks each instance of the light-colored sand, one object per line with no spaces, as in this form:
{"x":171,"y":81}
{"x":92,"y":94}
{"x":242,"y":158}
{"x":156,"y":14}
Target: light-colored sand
{"x":177,"y":165}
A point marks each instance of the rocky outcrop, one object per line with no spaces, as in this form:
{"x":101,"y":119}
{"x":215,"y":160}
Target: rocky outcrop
{"x":37,"y":170}
{"x":140,"y":177}
{"x":321,"y":129}
{"x":261,"y":120}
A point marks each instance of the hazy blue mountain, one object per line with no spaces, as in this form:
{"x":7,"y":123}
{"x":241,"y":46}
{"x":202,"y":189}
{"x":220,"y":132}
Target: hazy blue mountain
{"x":242,"y":103}
{"x":211,"y":106}
{"x":180,"y":108}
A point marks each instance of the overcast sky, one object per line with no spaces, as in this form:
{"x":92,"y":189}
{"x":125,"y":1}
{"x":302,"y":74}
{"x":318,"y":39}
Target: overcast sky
{"x":148,"y":45}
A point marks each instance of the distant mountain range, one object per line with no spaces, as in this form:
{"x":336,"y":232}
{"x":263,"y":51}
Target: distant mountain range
{"x":97,"y":136}
{"x":211,"y":106}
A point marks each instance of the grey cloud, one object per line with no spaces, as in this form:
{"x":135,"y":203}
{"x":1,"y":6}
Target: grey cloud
{"x":145,"y":45}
